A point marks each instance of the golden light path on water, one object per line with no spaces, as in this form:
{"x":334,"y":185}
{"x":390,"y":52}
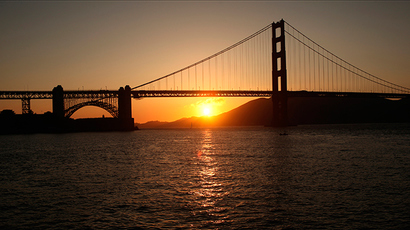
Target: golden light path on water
{"x":211,"y":189}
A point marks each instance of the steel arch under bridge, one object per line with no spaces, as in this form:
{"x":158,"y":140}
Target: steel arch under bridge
{"x":112,"y":109}
{"x":105,"y":99}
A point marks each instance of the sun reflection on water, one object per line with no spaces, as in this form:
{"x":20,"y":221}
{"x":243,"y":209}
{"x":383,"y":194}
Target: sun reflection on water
{"x":209,"y":191}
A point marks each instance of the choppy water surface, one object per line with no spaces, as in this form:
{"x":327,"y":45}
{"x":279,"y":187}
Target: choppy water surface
{"x":331,"y":177}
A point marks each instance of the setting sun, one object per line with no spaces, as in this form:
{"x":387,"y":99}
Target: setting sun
{"x":209,"y":107}
{"x":206,"y":111}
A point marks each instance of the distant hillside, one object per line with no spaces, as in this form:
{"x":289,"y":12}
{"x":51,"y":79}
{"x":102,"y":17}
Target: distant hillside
{"x":253,"y":113}
{"x":347,"y":110}
{"x":302,"y":111}
{"x":151,"y":124}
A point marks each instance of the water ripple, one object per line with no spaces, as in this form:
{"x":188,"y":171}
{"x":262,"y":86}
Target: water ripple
{"x":333,"y":177}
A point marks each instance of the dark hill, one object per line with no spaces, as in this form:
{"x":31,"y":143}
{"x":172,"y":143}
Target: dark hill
{"x":308,"y":110}
{"x":347,"y":110}
{"x":254,"y":113}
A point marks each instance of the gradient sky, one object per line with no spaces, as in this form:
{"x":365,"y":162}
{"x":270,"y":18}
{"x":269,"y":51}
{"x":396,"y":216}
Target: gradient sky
{"x":107,"y":44}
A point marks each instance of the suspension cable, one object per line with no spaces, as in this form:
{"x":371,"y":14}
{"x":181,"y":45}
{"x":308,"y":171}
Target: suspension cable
{"x":402,"y":87}
{"x":210,"y":57}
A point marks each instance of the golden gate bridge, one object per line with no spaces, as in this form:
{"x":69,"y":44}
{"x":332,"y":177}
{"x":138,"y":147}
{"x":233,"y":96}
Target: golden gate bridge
{"x":278,"y":61}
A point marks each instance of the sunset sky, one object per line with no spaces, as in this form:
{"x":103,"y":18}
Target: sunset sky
{"x":107,"y":44}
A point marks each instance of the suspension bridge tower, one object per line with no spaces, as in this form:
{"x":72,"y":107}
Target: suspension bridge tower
{"x":124,"y":108}
{"x":279,"y":79}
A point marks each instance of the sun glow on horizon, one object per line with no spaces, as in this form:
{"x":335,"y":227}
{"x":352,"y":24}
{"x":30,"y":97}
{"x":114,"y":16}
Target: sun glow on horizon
{"x":206,"y":111}
{"x":208,"y":107}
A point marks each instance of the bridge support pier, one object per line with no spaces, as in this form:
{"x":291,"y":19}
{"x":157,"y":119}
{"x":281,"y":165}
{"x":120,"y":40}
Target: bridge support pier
{"x":279,"y":78}
{"x":58,"y":102}
{"x":124,"y":108}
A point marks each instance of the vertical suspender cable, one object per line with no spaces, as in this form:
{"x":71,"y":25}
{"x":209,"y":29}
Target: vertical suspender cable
{"x":314,"y":69}
{"x":310,"y":71}
{"x":318,"y":68}
{"x":300,"y":67}
{"x":223,"y":79}
{"x":332,"y":74}
{"x":328,"y":77}
{"x":216,"y":72}
{"x":304,"y":64}
{"x":323,"y":73}
{"x":228,"y":62}
{"x":209,"y":73}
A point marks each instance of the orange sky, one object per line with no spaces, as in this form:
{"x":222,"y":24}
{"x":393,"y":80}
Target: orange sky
{"x":147,"y":109}
{"x":99,"y":45}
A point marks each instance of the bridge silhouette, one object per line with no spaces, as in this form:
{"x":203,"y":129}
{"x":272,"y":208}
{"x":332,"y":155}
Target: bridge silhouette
{"x":277,"y":61}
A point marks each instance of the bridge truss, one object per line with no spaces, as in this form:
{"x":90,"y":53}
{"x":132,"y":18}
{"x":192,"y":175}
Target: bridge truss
{"x":106,"y":99}
{"x":73,"y":100}
{"x":199,"y":93}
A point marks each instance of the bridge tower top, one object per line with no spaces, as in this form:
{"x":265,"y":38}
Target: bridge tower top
{"x":279,"y":78}
{"x":279,"y":81}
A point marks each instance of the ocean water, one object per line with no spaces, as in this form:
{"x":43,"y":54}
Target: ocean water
{"x":315,"y":177}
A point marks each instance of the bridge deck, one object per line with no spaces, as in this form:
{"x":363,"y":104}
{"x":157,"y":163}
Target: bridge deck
{"x":231,"y":93}
{"x":199,"y":93}
{"x":67,"y":94}
{"x":345,"y":94}
{"x":187,"y":93}
{"x":26,"y":94}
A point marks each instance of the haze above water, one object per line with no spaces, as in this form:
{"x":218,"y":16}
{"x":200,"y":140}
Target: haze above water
{"x":327,"y":176}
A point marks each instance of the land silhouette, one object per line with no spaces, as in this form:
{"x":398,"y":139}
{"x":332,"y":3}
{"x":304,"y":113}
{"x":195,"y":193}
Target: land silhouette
{"x":11,"y":123}
{"x":258,"y":112}
{"x":301,"y":111}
